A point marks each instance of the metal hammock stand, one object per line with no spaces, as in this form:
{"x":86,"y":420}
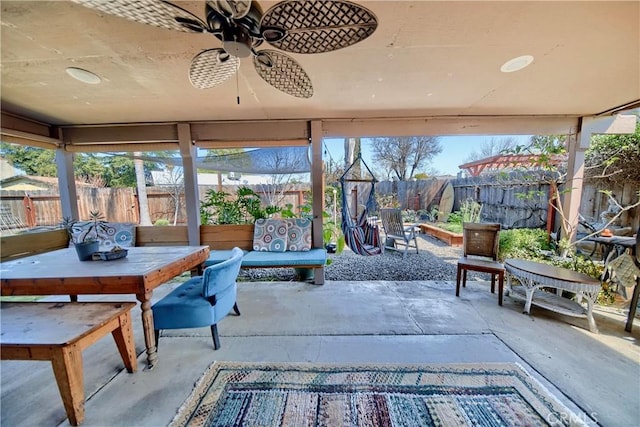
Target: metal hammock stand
{"x":362,"y":235}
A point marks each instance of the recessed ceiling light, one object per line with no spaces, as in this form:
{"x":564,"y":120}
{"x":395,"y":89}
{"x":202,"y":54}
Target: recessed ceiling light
{"x":83,"y":75}
{"x":516,"y":64}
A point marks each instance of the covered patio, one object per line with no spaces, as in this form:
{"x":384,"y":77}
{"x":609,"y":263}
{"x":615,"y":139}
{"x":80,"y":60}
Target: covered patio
{"x":348,"y":322}
{"x":430,"y":68}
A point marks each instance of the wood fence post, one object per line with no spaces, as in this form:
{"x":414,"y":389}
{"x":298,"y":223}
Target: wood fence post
{"x":29,"y":210}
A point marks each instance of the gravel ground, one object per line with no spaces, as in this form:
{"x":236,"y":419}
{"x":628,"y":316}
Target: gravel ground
{"x":434,"y":261}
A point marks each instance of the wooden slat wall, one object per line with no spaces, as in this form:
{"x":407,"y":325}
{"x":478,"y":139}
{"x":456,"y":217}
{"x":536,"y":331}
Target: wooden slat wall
{"x":227,"y":236}
{"x":21,"y":245}
{"x":161,"y":235}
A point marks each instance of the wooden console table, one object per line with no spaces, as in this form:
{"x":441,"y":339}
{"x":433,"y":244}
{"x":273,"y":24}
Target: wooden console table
{"x":59,"y":332}
{"x":534,"y":275}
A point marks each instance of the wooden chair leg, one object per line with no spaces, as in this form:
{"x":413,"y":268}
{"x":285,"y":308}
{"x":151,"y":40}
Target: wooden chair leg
{"x":500,"y":287}
{"x":493,"y":283}
{"x":156,"y":332}
{"x":458,"y":281}
{"x":216,"y":338}
{"x":464,"y":278}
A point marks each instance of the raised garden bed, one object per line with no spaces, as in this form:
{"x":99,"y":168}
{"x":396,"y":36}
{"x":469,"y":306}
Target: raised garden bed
{"x":450,"y":238}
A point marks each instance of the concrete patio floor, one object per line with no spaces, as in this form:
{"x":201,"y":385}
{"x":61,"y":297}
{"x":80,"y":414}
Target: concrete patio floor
{"x":347,"y":322}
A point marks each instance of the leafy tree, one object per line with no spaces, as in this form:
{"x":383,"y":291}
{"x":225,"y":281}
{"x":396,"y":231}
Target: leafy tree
{"x":31,"y":160}
{"x":402,"y":157}
{"x":614,"y":158}
{"x":547,"y":147}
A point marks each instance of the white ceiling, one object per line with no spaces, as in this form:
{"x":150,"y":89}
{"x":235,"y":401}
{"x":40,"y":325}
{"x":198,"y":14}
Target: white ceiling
{"x":426,"y":59}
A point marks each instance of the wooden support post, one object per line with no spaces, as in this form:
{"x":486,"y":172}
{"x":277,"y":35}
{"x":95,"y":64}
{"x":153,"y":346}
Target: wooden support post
{"x":29,"y":210}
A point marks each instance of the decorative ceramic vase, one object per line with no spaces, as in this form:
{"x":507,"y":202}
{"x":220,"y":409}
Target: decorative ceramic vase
{"x":86,"y":249}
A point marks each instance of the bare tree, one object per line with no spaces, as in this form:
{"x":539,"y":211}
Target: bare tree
{"x":352,"y":149}
{"x":175,"y":187}
{"x":402,"y":157}
{"x":492,"y":147}
{"x":274,"y":192}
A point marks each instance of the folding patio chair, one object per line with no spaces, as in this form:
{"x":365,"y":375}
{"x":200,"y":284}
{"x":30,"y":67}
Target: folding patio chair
{"x":396,"y":232}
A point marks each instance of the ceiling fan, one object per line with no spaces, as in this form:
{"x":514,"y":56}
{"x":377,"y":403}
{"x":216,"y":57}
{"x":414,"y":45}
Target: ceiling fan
{"x":297,"y":26}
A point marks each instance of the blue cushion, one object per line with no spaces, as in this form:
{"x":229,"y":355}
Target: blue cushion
{"x":217,"y":256}
{"x":187,"y":306}
{"x":285,"y":259}
{"x":184,"y":307}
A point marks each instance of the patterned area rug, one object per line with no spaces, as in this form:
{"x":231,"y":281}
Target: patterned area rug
{"x":252,"y":394}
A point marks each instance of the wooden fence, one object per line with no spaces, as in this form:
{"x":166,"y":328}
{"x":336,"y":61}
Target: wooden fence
{"x":501,"y":201}
{"x":21,"y":210}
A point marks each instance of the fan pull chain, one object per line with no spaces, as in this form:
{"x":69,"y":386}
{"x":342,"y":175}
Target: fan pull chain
{"x":237,"y":84}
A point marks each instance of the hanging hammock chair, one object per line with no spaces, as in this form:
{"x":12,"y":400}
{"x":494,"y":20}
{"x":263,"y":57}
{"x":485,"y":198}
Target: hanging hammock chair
{"x":362,"y":236}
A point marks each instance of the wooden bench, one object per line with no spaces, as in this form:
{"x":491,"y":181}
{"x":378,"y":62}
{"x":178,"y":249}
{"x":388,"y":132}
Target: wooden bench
{"x":59,"y":332}
{"x":217,"y":237}
{"x":222,"y":238}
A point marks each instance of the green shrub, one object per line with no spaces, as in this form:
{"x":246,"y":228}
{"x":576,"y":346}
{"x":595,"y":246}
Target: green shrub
{"x":470,"y":211}
{"x":244,"y":207}
{"x":161,"y":221}
{"x":523,"y":243}
{"x":455,"y":227}
{"x":454,"y":218}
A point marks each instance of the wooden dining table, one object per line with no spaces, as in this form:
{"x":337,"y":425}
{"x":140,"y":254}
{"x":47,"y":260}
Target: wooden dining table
{"x":60,"y":272}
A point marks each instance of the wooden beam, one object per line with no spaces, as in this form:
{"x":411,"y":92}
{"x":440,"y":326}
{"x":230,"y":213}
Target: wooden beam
{"x":268,"y":130}
{"x":462,"y":125}
{"x":188,"y":154}
{"x":317,"y":182}
{"x":167,"y":132}
{"x":253,"y":144}
{"x":25,"y":125}
{"x":129,"y":147}
{"x":25,"y":138}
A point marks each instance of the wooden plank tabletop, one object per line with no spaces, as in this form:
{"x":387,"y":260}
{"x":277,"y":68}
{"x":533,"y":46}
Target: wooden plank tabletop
{"x":47,"y":323}
{"x":60,"y":272}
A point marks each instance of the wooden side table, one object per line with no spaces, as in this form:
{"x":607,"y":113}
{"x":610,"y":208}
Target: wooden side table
{"x":59,"y":332}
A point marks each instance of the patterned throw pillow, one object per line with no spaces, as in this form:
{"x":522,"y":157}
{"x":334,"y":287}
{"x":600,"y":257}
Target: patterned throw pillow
{"x":110,"y":234}
{"x":299,"y":238}
{"x":118,"y":234}
{"x":270,"y":235}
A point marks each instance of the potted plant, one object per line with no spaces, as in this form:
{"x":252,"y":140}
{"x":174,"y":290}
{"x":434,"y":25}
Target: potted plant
{"x":85,"y":236}
{"x":333,"y":238}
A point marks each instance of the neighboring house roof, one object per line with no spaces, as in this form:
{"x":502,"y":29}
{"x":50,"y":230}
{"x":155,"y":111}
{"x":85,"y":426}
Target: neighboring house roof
{"x":7,"y":170}
{"x":32,"y":183}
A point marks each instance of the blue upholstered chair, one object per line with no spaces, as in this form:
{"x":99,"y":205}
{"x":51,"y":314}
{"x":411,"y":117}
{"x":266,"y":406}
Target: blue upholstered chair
{"x":202,"y":300}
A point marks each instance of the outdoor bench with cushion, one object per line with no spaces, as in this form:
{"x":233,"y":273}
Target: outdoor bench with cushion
{"x":280,"y":244}
{"x":297,"y":252}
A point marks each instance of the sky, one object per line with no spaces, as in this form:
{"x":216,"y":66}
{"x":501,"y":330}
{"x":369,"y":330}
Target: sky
{"x":455,"y":151}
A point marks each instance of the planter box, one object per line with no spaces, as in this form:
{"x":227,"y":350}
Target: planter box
{"x":452,"y":239}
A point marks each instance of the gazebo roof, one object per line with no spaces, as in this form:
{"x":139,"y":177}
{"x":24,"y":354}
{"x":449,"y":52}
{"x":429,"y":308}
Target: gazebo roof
{"x":502,"y":161}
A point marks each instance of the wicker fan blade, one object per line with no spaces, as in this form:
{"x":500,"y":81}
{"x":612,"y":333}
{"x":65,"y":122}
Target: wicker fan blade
{"x":231,"y":8}
{"x":212,"y":67}
{"x":152,"y":12}
{"x":317,"y":26}
{"x":283,"y":72}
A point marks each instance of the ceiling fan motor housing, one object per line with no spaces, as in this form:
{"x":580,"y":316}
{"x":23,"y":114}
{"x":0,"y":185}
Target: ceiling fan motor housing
{"x":236,"y":41}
